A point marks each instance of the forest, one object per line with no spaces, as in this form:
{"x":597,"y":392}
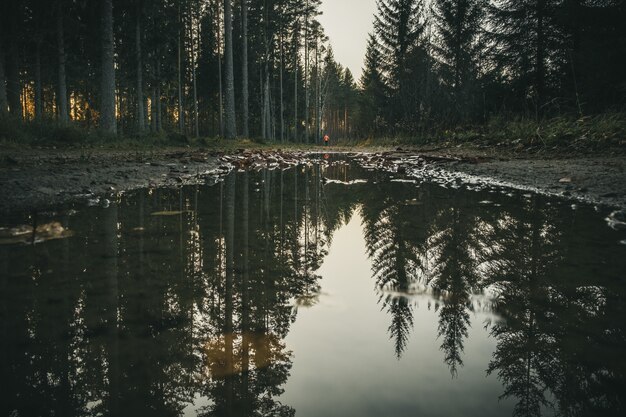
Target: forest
{"x":265,"y":69}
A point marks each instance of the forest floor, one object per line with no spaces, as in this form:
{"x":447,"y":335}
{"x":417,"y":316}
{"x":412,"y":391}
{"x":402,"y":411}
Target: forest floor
{"x":38,"y":179}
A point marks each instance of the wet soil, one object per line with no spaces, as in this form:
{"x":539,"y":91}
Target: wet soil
{"x":41,"y":179}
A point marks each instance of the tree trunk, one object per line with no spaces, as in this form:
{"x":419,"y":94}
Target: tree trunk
{"x":231,"y":127}
{"x":282,"y":108}
{"x":244,"y":68}
{"x":108,"y":121}
{"x":318,"y":101}
{"x":306,"y":74}
{"x":159,"y":113}
{"x":540,"y":65}
{"x":295,"y":83}
{"x":196,"y":123}
{"x":266,"y":105}
{"x":181,"y":115}
{"x":153,"y":113}
{"x":38,"y":86}
{"x":13,"y":81}
{"x":4,"y":105}
{"x":140,"y":108}
{"x":219,"y":69}
{"x":62,"y":82}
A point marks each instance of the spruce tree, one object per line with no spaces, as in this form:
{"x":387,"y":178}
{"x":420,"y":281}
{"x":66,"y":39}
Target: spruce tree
{"x":229,"y":114}
{"x":526,"y":42}
{"x":457,"y":47}
{"x":108,"y":119}
{"x":373,"y":97}
{"x":400,"y":26}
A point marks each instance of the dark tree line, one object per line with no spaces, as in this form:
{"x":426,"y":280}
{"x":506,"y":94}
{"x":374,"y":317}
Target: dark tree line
{"x":259,"y":68}
{"x":264,"y":68}
{"x":446,"y":63}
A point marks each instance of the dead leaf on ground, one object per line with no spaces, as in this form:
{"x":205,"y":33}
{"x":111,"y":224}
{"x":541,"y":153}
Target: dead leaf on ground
{"x":24,"y":234}
{"x":169,"y":213}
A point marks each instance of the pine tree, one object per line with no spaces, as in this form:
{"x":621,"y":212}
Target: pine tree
{"x":400,"y":26}
{"x":457,"y":47}
{"x":230,"y":129}
{"x":61,"y":58}
{"x":373,"y":97}
{"x":244,"y":68}
{"x":526,"y":40}
{"x":108,"y":120}
{"x":4,"y":105}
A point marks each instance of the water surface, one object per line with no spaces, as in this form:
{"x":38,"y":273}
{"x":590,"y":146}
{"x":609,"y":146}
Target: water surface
{"x":324,"y":290}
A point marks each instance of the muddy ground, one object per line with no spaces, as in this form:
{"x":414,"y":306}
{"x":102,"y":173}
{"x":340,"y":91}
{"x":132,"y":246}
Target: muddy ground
{"x":41,"y":179}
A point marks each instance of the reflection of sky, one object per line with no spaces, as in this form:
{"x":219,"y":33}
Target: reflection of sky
{"x":344,"y":362}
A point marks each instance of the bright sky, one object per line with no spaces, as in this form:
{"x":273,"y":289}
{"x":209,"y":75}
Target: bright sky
{"x":347,"y":23}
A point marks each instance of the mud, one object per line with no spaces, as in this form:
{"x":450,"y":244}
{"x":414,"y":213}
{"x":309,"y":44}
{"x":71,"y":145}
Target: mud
{"x":40,"y":180}
{"x":596,"y":180}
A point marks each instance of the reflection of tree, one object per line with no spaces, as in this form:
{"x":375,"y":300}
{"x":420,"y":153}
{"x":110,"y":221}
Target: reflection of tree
{"x":453,"y":274}
{"x":394,"y":248}
{"x":525,"y":355}
{"x":162,"y":310}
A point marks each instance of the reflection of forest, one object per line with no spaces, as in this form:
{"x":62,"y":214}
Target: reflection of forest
{"x":141,"y":312}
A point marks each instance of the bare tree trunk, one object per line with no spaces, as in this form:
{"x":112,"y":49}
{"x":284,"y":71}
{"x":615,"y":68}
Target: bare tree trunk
{"x":306,"y":74}
{"x":181,"y":115}
{"x":153,"y":113}
{"x":266,"y":105}
{"x":108,"y":121}
{"x":38,"y":87}
{"x":159,"y":113}
{"x":14,"y":89}
{"x":282,"y":109}
{"x":244,"y":68}
{"x":295,"y":83}
{"x":196,"y":123}
{"x":4,"y":105}
{"x":219,"y":68}
{"x":140,"y":98}
{"x":540,"y":55}
{"x":318,"y":101}
{"x":230,"y":115}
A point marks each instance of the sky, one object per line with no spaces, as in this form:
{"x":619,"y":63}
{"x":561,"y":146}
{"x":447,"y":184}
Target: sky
{"x":348,"y":23}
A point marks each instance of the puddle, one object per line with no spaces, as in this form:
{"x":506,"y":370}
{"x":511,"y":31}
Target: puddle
{"x":282,"y":290}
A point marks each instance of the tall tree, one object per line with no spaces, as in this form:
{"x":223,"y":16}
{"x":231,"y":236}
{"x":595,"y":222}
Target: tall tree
{"x":13,"y":14}
{"x":108,"y":120}
{"x":230,"y":129}
{"x":373,"y":98}
{"x":457,"y":47}
{"x":62,"y":104}
{"x":4,"y":105}
{"x":527,"y":40}
{"x":399,"y":26}
{"x":244,"y":69}
{"x":139,"y":66}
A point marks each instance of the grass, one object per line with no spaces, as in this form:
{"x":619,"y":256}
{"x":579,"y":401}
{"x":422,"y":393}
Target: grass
{"x":601,"y":132}
{"x":597,"y":133}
